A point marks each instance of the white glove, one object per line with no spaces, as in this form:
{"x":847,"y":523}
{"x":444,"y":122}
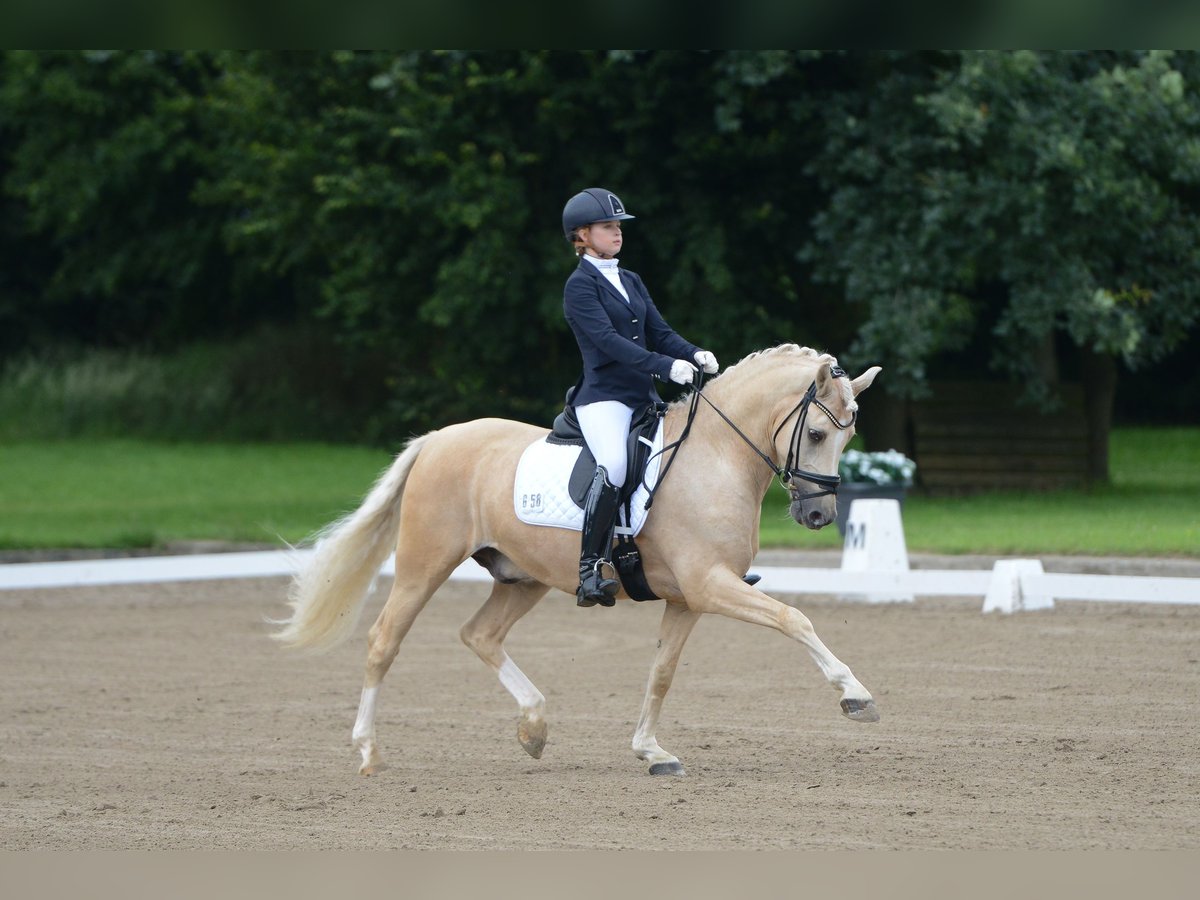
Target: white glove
{"x":682,"y":371}
{"x":707,"y":362}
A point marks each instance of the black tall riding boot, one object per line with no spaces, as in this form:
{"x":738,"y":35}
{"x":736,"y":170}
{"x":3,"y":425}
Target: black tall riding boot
{"x":599,"y":520}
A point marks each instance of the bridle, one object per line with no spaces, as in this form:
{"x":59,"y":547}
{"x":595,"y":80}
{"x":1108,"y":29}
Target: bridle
{"x":787,"y":474}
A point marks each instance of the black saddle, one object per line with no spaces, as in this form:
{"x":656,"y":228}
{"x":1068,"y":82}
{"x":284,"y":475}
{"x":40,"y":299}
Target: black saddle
{"x":566,"y":430}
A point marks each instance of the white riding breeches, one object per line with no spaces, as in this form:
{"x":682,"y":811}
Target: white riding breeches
{"x":605,"y":427}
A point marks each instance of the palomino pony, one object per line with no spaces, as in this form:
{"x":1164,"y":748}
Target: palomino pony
{"x":449,"y":496}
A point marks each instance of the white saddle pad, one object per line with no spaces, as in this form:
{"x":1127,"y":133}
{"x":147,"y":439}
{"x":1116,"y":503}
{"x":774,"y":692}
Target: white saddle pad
{"x":540,"y":495}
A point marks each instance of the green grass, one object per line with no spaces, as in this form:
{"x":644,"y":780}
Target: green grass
{"x":126,"y":493}
{"x":1152,"y":508}
{"x":121,"y":493}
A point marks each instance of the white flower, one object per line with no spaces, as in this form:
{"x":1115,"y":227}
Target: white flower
{"x":887,"y":467}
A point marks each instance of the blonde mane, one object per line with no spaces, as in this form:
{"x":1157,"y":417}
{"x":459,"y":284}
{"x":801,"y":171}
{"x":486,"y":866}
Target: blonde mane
{"x":807,"y":353}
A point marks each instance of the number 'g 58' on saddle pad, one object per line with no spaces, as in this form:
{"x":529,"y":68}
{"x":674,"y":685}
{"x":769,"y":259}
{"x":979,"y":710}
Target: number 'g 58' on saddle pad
{"x":541,"y":495}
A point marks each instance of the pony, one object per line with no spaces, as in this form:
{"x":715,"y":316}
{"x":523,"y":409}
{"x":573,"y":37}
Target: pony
{"x":448,"y":496}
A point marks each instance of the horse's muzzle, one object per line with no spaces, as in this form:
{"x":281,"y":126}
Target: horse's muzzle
{"x":813,"y":514}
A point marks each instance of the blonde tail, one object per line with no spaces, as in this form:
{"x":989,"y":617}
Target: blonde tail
{"x":328,"y":593}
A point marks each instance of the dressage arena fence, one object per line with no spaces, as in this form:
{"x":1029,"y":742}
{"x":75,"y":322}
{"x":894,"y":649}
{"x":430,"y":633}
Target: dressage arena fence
{"x":874,"y":569}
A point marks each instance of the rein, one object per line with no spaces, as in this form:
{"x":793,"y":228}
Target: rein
{"x":674,"y":445}
{"x":787,"y":473}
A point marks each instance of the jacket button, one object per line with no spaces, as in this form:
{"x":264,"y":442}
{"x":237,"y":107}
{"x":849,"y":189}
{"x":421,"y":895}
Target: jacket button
{"x":635,"y":337}
{"x":634,"y":321}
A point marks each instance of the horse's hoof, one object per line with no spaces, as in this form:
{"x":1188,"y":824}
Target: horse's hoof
{"x":668,"y":768}
{"x":372,"y":759}
{"x":860,"y":710}
{"x":532,"y":735}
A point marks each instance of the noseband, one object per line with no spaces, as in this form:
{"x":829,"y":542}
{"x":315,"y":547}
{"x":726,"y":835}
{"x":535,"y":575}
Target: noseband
{"x":788,"y":474}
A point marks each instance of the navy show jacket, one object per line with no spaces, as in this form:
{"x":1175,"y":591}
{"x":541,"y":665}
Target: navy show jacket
{"x":624,"y":345}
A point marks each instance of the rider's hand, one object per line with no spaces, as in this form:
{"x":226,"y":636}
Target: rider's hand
{"x":682,"y":371}
{"x":707,"y":362}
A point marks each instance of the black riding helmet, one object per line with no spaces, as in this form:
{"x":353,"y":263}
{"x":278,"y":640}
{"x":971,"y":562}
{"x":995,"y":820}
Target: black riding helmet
{"x":592,"y":205}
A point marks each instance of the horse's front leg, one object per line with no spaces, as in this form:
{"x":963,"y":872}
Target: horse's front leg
{"x":677,"y":623}
{"x":725,"y":593}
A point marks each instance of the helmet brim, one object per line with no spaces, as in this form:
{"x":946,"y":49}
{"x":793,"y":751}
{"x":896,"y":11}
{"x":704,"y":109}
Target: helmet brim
{"x":619,"y":218}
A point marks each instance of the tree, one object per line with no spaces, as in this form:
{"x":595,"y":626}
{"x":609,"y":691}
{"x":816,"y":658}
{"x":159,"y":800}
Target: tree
{"x":404,"y":207}
{"x":105,"y":151}
{"x":1040,"y":193}
{"x":419,"y":195}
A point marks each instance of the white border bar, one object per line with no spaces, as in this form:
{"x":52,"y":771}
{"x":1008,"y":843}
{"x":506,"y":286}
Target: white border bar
{"x":778,"y":579}
{"x":195,"y":567}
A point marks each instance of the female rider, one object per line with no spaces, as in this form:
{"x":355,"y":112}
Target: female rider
{"x":625,"y":344}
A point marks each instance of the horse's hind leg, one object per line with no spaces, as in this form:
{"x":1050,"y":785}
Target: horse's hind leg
{"x":485,"y":633}
{"x":414,"y":585}
{"x":677,"y":623}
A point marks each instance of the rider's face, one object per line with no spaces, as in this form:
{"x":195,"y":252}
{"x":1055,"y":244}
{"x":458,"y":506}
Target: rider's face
{"x":602,"y":239}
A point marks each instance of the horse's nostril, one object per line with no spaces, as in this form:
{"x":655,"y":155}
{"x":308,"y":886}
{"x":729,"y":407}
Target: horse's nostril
{"x":816,"y":518}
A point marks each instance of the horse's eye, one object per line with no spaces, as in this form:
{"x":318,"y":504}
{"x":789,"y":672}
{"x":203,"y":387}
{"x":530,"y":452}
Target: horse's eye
{"x":816,"y":436}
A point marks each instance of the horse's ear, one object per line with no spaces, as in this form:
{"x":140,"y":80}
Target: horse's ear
{"x":863,"y":381}
{"x":824,"y":377}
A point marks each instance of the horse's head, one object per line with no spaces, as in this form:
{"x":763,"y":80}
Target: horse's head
{"x":812,"y":432}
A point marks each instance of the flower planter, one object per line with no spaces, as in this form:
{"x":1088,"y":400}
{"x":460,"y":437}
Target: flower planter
{"x":848,"y":492}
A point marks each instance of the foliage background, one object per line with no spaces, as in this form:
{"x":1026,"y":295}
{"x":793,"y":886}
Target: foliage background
{"x":358,"y":246}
